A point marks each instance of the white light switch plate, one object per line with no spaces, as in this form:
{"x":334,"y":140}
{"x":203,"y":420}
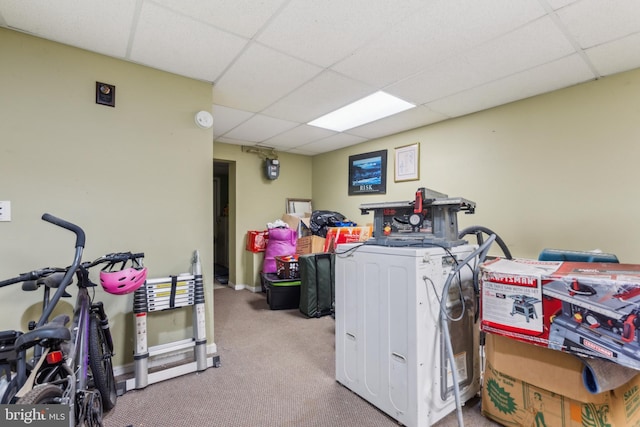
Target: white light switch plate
{"x":5,"y":210}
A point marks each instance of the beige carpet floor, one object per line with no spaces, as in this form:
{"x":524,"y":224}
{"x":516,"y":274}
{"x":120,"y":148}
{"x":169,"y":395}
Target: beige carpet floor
{"x":277,"y":369}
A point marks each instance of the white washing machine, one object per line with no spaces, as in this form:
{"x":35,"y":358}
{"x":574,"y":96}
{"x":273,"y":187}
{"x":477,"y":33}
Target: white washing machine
{"x":389,"y":346}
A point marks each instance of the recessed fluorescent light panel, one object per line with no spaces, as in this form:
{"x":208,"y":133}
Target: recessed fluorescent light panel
{"x":368,"y":109}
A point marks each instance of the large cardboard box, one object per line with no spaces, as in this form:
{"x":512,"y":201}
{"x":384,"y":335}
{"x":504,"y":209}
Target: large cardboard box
{"x":310,"y":245}
{"x":589,"y":309}
{"x":528,"y":385}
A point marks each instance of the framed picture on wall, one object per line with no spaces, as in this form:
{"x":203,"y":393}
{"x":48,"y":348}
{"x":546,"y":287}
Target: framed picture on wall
{"x":368,"y":173}
{"x":407,"y":163}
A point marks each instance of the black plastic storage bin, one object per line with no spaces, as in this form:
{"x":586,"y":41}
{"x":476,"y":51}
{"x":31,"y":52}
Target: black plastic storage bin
{"x":282,"y":294}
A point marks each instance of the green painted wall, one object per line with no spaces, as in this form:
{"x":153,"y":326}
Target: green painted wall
{"x":136,"y":177}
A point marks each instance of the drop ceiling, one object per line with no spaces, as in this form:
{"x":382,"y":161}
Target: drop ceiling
{"x":275,"y":65}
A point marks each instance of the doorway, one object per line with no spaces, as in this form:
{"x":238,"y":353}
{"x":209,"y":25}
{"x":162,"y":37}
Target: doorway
{"x":221,"y":222}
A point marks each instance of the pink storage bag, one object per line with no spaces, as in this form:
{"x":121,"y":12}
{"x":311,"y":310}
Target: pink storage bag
{"x":282,"y":241}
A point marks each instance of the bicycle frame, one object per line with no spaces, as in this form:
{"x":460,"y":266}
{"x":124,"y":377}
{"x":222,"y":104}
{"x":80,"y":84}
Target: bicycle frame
{"x":79,"y":356}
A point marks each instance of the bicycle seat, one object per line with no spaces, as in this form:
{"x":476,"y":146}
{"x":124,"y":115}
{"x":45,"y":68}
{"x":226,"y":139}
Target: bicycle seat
{"x":54,"y":331}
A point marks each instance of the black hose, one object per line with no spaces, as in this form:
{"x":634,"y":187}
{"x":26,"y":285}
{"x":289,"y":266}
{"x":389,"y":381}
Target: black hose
{"x":478,"y":229}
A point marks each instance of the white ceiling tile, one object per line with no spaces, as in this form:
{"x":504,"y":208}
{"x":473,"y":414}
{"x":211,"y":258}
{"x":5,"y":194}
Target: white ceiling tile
{"x":443,"y":29}
{"x":331,"y":143}
{"x":323,"y":32}
{"x":558,"y":4}
{"x":242,"y":17}
{"x":534,"y":44}
{"x":225,"y":119}
{"x":531,"y":45}
{"x":182,"y":45}
{"x":260,"y":77}
{"x":92,"y":24}
{"x":409,"y":119}
{"x":442,"y":79}
{"x":301,"y":151}
{"x":620,"y":55}
{"x":259,"y":128}
{"x":593,"y":22}
{"x":558,"y":74}
{"x":326,"y":92}
{"x":300,"y":135}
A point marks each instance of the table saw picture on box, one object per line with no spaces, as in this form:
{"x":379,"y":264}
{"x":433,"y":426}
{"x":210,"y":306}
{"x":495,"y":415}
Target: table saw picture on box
{"x":589,"y":309}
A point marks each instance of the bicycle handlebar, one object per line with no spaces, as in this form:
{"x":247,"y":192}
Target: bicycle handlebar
{"x":122,"y":256}
{"x":80,"y":242}
{"x":80,"y":238}
{"x":20,"y":278}
{"x":44,"y":272}
{"x":115,"y":258}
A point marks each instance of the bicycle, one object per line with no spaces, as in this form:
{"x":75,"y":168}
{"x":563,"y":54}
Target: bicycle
{"x":70,"y":366}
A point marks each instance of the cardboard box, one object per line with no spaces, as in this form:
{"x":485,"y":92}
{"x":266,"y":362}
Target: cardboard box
{"x":511,"y":298}
{"x":337,"y":235}
{"x":589,"y":309}
{"x":310,"y":245}
{"x":257,"y":240}
{"x":298,"y":223}
{"x":528,"y":385}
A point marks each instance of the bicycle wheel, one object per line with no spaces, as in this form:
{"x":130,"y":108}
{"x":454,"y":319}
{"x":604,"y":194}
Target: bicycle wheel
{"x":101,"y":366}
{"x":44,"y":394}
{"x":9,"y":390}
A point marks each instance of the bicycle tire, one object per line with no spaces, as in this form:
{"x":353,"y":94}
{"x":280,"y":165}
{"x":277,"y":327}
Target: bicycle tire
{"x":10,"y":390}
{"x":101,"y":365}
{"x":44,"y":394}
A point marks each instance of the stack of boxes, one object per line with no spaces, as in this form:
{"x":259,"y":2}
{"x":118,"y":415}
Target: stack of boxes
{"x":312,"y":244}
{"x":283,"y":287}
{"x":547,"y":324}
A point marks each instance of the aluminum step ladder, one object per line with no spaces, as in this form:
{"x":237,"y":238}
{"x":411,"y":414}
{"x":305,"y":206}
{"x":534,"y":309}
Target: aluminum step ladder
{"x":169,"y":293}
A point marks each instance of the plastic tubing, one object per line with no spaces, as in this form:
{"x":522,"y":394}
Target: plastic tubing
{"x":480,"y":253}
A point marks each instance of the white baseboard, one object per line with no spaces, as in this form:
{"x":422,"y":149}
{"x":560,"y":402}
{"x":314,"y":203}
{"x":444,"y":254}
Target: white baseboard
{"x":247,"y":287}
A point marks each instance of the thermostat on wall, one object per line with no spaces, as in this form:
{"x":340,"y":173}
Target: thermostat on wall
{"x":105,"y":94}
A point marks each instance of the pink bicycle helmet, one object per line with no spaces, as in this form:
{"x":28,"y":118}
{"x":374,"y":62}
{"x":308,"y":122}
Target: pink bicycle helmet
{"x":123,"y":281}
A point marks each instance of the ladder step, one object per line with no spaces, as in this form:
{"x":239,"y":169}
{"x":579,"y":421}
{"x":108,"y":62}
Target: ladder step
{"x":172,"y":346}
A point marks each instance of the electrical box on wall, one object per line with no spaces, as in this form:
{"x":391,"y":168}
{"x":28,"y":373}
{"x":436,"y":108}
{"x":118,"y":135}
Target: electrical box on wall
{"x":272,"y":168}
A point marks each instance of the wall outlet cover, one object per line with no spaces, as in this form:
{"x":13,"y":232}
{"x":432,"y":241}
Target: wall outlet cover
{"x":5,"y":210}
